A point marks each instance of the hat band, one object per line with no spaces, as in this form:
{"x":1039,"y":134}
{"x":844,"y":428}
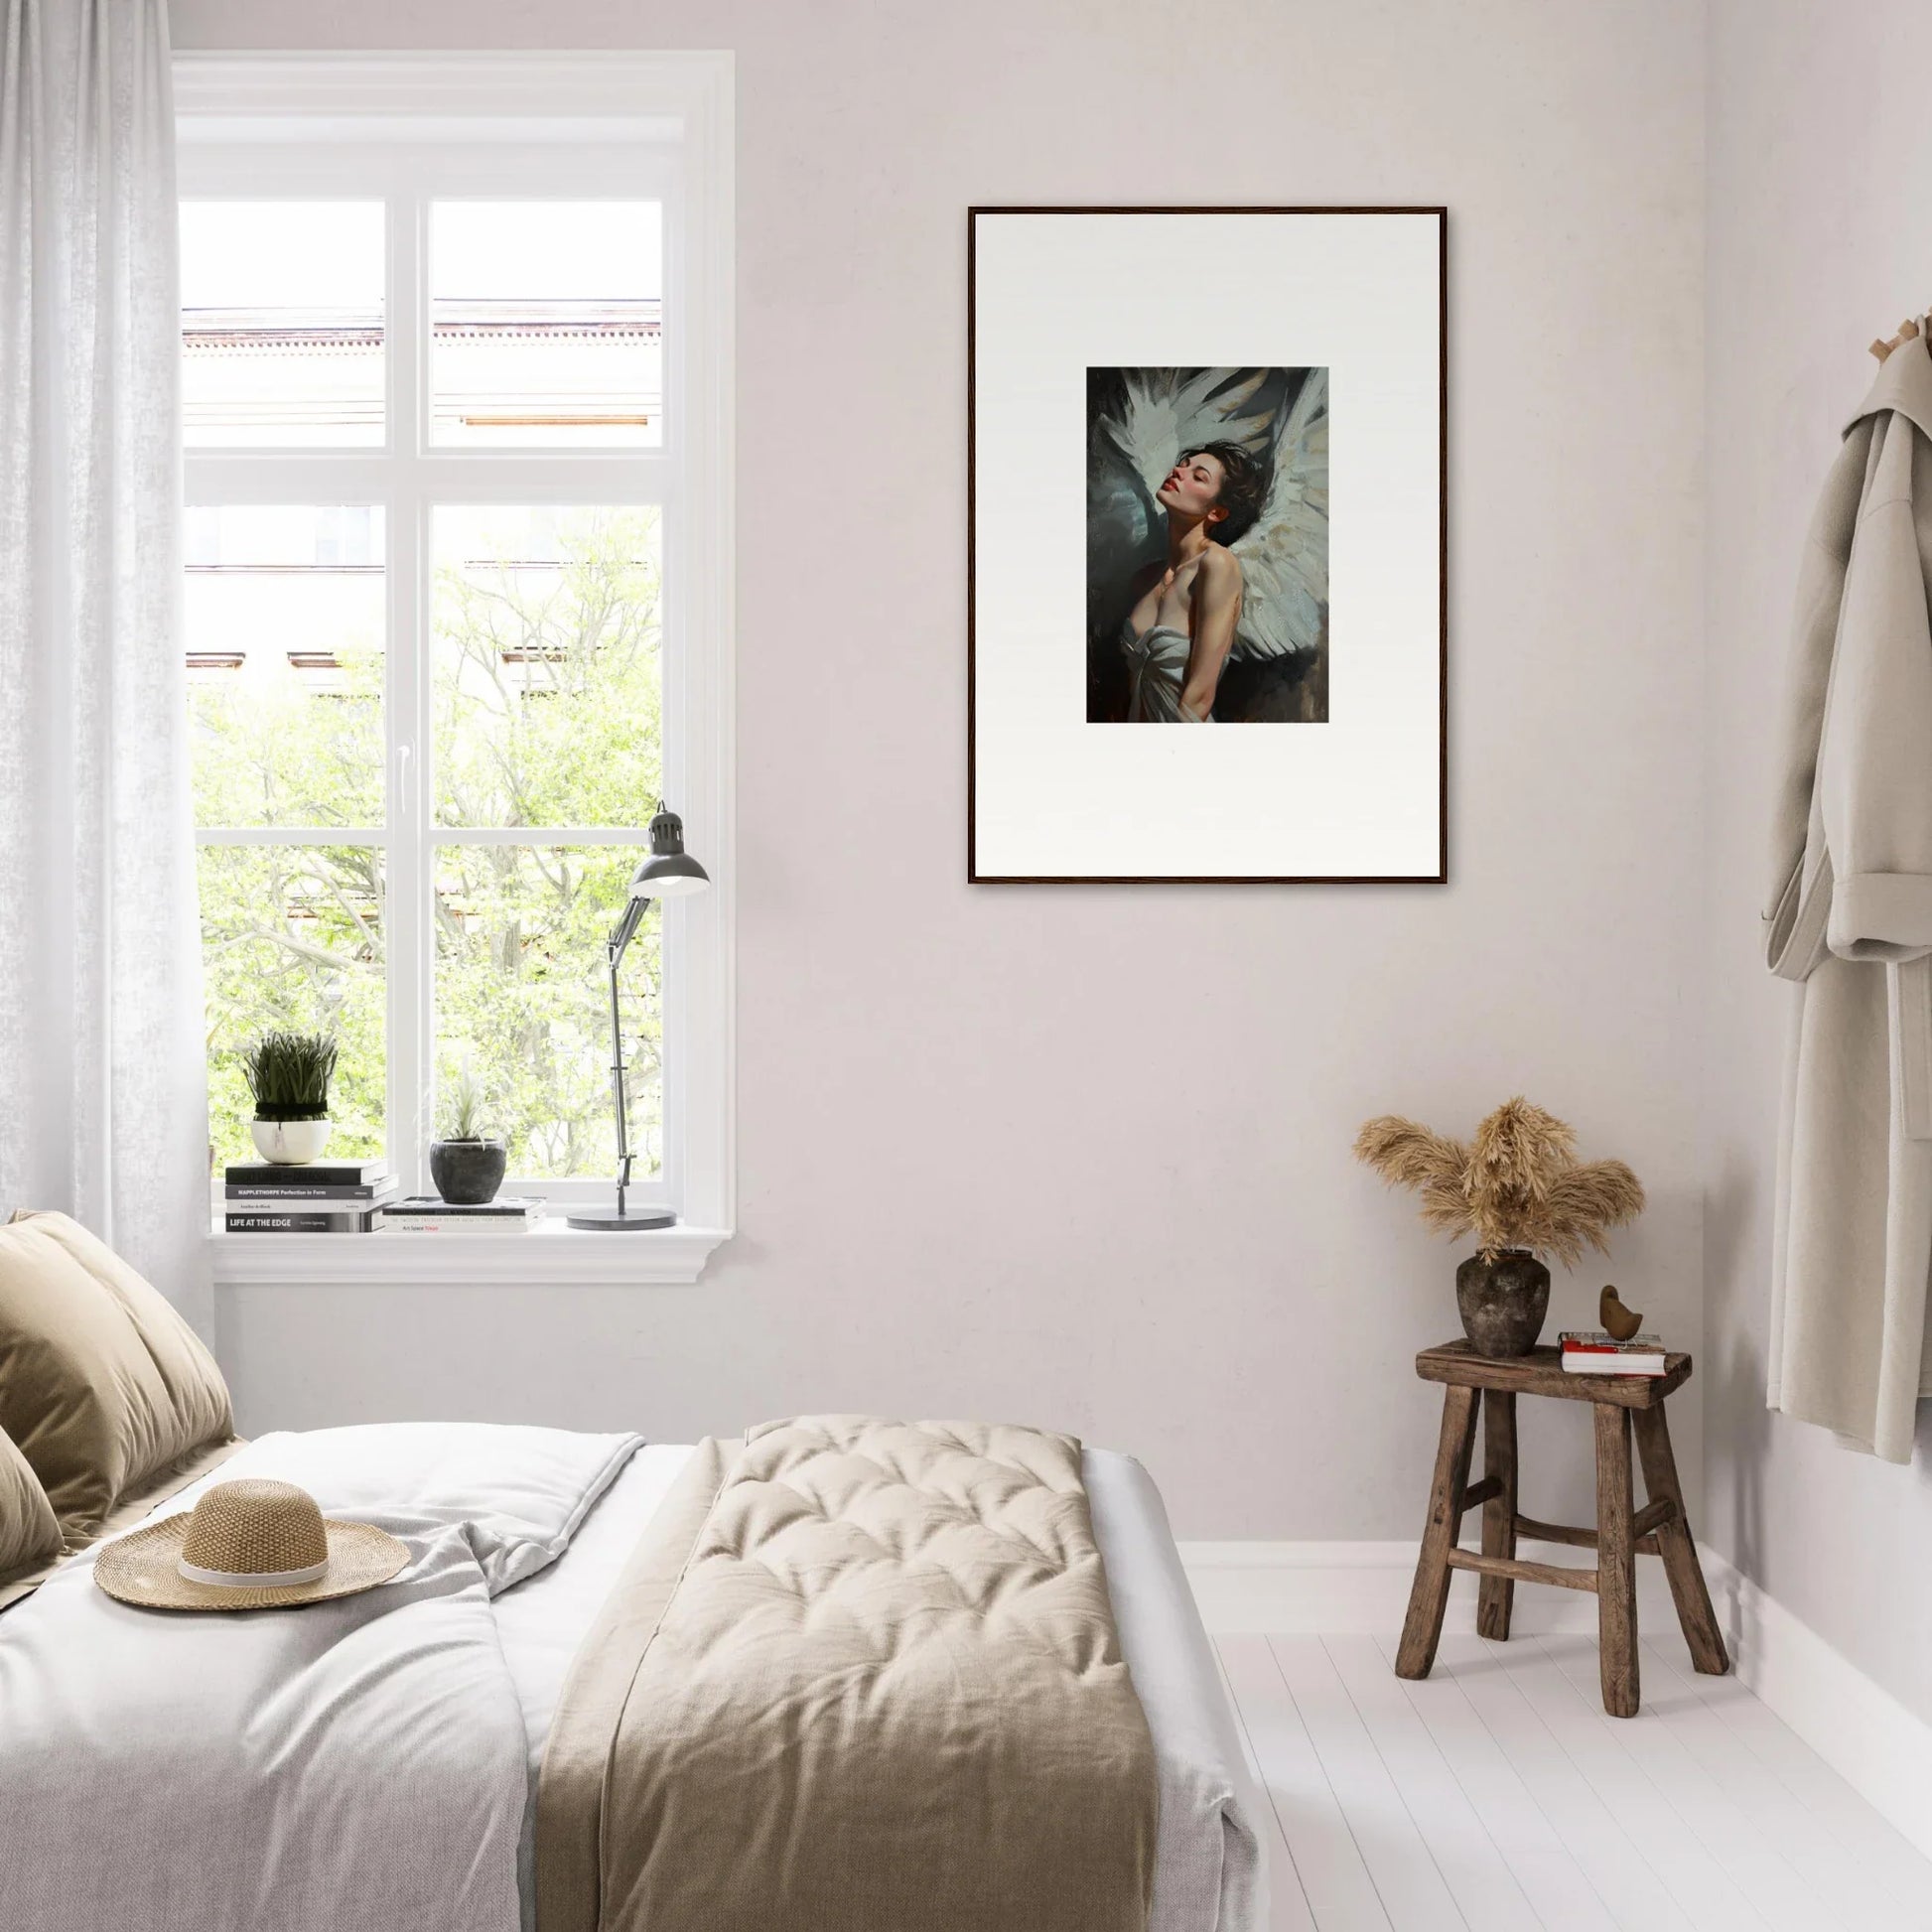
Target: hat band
{"x":253,"y":1578}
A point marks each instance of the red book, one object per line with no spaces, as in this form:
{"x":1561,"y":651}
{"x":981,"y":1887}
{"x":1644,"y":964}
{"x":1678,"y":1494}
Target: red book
{"x":1590,"y":1351}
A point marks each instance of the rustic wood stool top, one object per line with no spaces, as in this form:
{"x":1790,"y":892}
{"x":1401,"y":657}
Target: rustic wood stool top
{"x":1620,"y":1405}
{"x":1540,"y":1372}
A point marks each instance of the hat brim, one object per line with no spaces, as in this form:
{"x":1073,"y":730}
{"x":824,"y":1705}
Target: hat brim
{"x":142,"y":1568}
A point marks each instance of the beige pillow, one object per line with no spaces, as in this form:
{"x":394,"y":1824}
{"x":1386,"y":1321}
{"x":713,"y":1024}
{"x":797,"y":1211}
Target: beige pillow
{"x":29,"y":1535}
{"x":102,"y":1384}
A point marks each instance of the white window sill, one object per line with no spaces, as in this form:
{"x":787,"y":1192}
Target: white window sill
{"x":550,"y":1255}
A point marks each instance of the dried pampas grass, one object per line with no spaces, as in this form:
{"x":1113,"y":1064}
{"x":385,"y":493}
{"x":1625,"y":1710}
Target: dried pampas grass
{"x":1407,"y":1155}
{"x":1517,"y":1185}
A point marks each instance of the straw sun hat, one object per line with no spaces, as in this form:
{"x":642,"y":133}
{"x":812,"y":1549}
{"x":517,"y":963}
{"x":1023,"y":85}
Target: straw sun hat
{"x":248,"y":1545}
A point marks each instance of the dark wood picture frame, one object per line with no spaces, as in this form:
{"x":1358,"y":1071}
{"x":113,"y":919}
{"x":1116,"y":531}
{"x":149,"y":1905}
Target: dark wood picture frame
{"x":973,"y":875}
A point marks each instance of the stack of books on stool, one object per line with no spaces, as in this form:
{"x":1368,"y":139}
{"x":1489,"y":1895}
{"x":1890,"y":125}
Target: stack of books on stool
{"x":1595,"y":1351}
{"x":425,"y":1214}
{"x":321,"y":1198}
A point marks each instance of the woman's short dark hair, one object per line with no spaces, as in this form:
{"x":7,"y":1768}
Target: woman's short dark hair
{"x":1244,"y":488}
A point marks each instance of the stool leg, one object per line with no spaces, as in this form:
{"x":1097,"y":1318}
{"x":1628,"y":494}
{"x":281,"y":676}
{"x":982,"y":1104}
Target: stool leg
{"x":1616,"y":1566}
{"x":1422,"y":1629}
{"x":1677,"y":1548}
{"x":1496,"y":1595}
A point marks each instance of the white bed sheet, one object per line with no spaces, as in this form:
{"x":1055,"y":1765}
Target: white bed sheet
{"x":1209,"y":1872}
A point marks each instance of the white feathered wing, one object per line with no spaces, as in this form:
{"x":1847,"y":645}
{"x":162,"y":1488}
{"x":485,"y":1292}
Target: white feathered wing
{"x":1285,"y":557}
{"x":1167,"y":413}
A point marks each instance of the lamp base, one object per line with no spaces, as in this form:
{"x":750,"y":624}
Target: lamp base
{"x":609,"y":1221}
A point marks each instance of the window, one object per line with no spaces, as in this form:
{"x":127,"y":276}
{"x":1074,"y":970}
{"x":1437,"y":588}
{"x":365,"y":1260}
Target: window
{"x":454,"y":340}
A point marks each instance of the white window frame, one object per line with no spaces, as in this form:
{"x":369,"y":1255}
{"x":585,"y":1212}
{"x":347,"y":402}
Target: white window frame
{"x":406,"y":128}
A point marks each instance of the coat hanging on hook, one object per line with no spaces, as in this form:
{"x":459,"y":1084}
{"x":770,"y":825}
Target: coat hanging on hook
{"x":1849,"y":916}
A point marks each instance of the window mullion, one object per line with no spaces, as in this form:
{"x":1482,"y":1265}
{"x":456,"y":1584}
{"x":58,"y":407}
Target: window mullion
{"x":292,"y":835}
{"x":410,"y":928}
{"x":637,"y":835}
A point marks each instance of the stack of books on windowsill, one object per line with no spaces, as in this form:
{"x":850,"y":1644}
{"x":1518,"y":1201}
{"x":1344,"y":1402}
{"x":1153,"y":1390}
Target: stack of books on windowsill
{"x":321,"y":1198}
{"x":1593,"y":1351}
{"x":426,"y":1214}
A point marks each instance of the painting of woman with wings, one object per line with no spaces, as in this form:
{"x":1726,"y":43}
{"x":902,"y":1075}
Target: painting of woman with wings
{"x":1207,"y":545}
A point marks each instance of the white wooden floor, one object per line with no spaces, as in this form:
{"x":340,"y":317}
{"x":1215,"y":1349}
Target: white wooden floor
{"x":1496,"y":1795}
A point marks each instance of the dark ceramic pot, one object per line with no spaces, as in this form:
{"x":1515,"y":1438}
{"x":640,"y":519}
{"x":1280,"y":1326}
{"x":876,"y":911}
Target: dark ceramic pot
{"x":1503,"y":1301}
{"x":468,"y":1174}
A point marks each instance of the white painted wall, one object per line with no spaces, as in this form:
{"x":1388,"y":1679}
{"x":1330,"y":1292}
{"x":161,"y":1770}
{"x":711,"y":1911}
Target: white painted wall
{"x":1820,"y":238}
{"x":1080,"y":1155}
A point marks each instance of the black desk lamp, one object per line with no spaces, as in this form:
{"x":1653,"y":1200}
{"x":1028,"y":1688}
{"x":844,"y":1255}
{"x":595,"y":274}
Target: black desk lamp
{"x":668,"y":873}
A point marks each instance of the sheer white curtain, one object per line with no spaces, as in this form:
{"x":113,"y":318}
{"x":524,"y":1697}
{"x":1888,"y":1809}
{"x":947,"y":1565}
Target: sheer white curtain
{"x":102,"y":1069}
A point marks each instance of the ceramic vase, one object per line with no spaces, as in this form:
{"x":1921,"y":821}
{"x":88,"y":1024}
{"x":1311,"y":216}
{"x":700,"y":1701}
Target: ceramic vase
{"x":1503,"y":1298}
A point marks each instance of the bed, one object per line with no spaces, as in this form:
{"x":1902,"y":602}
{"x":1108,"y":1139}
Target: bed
{"x":1207,"y":1875}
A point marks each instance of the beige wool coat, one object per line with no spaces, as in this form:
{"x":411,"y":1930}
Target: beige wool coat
{"x":1849,"y":916}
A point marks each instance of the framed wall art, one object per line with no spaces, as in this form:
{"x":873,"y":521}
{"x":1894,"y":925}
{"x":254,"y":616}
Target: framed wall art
{"x":1206,"y":470}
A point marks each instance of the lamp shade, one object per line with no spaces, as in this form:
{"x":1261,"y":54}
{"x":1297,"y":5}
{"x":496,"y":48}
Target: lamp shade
{"x":670,"y":870}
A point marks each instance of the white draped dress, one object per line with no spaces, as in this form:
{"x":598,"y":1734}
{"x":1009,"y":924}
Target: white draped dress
{"x":1157,"y":672}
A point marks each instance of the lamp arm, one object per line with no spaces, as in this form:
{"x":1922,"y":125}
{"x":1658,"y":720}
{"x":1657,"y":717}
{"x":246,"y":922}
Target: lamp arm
{"x":625,"y":928}
{"x":614,"y":950}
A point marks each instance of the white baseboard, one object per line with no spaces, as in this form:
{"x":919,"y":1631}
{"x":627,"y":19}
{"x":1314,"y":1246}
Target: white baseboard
{"x":1872,"y":1740}
{"x":1879,"y":1746}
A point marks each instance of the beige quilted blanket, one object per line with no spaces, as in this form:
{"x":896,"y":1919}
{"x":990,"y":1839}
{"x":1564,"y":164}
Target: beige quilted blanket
{"x":862,"y":1676}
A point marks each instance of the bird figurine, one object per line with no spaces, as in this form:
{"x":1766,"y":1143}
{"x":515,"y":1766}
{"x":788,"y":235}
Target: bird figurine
{"x":1619,"y":1322}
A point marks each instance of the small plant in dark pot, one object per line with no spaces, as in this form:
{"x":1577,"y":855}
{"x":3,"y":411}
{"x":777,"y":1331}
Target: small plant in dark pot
{"x":1520,"y":1189}
{"x":288,"y":1075}
{"x":468,"y":1162}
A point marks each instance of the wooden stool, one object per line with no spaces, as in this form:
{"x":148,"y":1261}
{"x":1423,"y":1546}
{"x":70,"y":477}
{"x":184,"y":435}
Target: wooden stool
{"x":1659,"y":1529}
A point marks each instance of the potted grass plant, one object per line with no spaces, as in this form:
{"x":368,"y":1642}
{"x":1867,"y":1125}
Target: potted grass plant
{"x":1519,"y":1188}
{"x":288,"y":1075}
{"x":468,"y":1162}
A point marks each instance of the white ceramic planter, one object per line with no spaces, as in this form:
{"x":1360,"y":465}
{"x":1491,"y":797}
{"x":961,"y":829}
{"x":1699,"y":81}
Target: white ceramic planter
{"x":290,"y":1143}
